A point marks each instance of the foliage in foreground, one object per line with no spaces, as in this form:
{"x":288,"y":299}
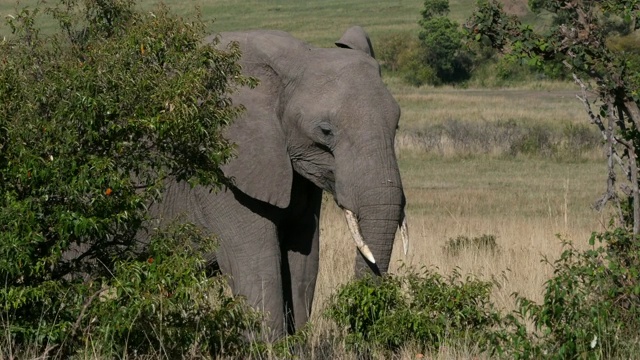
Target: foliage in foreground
{"x":92,"y":119}
{"x":418,"y":308}
{"x":163,"y":304}
{"x":591,"y":306}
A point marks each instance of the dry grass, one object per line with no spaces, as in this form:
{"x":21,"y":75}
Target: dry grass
{"x":528,"y":204}
{"x":543,"y":102}
{"x":525,"y":203}
{"x":542,"y":116}
{"x":318,"y":22}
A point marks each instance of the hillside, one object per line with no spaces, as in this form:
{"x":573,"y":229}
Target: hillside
{"x":319,"y":22}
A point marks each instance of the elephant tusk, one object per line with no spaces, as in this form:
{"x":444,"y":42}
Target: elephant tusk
{"x":404,"y":233}
{"x":352,"y":222}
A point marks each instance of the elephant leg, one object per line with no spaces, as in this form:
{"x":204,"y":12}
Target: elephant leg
{"x":300,"y":249}
{"x":249,"y":251}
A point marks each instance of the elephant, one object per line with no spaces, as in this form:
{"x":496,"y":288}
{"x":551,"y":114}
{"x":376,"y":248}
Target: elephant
{"x":320,"y":119}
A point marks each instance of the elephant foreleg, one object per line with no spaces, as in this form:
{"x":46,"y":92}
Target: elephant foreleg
{"x":249,"y":252}
{"x":300,"y":250}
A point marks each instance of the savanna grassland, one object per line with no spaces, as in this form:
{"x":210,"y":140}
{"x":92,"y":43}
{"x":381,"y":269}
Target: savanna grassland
{"x":318,"y":22}
{"x":520,"y":163}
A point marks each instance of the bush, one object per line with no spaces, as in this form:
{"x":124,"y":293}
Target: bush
{"x":441,"y":40}
{"x":392,"y":47}
{"x":414,"y":70}
{"x":484,"y":243}
{"x":419,"y":308}
{"x":591,"y":306}
{"x":162,"y":303}
{"x":443,"y":51}
{"x":402,"y":53}
{"x":435,"y":57}
{"x":92,"y":120}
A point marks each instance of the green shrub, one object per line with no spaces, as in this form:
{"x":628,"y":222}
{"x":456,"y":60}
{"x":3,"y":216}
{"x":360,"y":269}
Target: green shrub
{"x":443,"y":51}
{"x":591,"y":306}
{"x":364,"y":306}
{"x":415,"y":70}
{"x":402,"y":54}
{"x":483,"y":243}
{"x":392,"y":47}
{"x":418,"y":308}
{"x":590,"y":309}
{"x":164,"y":303}
{"x":441,"y":42}
{"x":92,"y":119}
{"x":435,"y":56}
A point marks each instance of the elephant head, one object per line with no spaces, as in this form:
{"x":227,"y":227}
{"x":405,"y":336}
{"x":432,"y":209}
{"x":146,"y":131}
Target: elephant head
{"x":325,"y":114}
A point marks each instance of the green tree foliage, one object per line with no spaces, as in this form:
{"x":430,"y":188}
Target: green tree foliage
{"x":403,"y":54}
{"x":435,"y":57}
{"x":441,"y":40}
{"x":433,"y":8}
{"x":92,"y":119}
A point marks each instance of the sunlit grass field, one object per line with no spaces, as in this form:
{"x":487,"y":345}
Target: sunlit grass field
{"x":319,"y":22}
{"x":530,"y":203}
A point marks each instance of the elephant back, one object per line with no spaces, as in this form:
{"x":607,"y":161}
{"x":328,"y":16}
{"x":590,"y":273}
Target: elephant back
{"x":273,"y":48}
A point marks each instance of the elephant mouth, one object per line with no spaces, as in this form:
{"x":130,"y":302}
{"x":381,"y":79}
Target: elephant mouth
{"x":356,"y":234}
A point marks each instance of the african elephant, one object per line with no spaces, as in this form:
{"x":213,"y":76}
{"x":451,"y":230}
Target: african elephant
{"x":320,"y":119}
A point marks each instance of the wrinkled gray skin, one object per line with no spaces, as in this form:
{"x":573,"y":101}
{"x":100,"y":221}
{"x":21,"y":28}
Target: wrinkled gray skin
{"x":320,"y":119}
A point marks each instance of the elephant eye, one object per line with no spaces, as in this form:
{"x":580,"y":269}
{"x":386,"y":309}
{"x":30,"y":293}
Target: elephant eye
{"x":326,"y":129}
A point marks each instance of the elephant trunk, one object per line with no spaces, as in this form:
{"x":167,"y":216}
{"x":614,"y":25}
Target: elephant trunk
{"x":380,"y":214}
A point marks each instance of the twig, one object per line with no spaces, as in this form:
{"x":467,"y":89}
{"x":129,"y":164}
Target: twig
{"x":85,"y":306}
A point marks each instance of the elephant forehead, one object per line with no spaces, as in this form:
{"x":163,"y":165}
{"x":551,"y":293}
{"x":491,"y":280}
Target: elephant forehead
{"x":343,"y":79}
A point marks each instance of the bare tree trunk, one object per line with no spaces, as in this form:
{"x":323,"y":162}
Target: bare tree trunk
{"x":615,"y":123}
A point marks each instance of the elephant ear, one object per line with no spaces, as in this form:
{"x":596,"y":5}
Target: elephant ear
{"x":356,"y":38}
{"x":262,"y":168}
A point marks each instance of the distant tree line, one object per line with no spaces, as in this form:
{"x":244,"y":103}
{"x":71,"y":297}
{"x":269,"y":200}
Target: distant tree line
{"x":445,"y":52}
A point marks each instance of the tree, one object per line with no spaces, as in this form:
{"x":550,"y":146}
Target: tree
{"x":92,"y":120}
{"x":579,"y":39}
{"x":441,"y":41}
{"x":434,"y":8}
